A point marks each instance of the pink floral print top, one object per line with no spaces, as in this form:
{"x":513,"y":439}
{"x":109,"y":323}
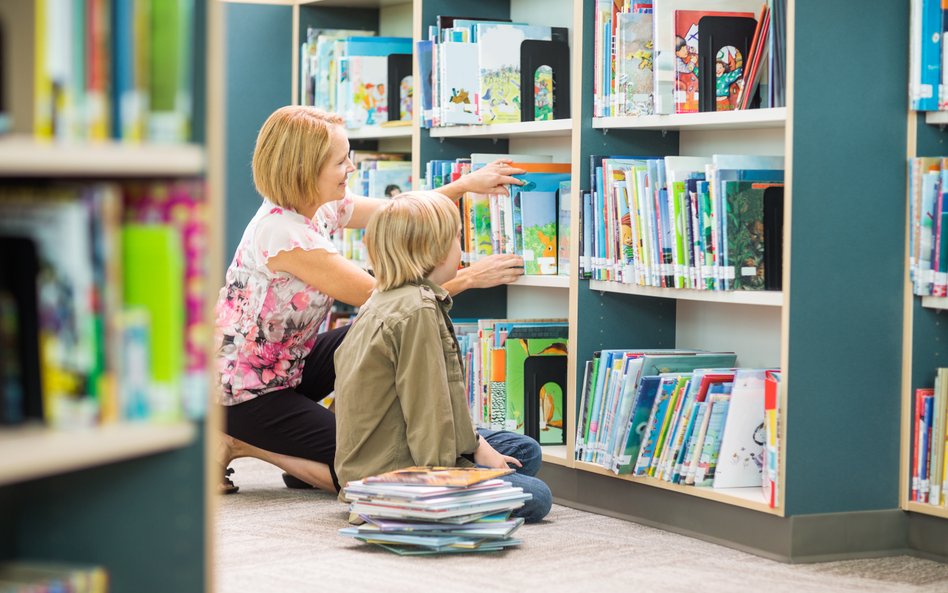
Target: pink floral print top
{"x":267,"y":322}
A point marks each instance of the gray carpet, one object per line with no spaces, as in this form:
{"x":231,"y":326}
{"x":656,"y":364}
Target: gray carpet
{"x":272,"y":539}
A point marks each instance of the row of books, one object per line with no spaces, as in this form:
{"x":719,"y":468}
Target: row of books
{"x":102,"y":305}
{"x":649,"y":57}
{"x":705,"y":223}
{"x":364,"y":78}
{"x":52,"y":577}
{"x":435,"y":510}
{"x":929,"y":479}
{"x":928,"y":225}
{"x":928,"y":75}
{"x":531,"y":220}
{"x":122,"y":69}
{"x":682,"y":416}
{"x":516,"y":375}
{"x":493,"y":71}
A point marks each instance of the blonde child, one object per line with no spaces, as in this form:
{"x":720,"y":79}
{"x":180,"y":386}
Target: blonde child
{"x":400,"y":390}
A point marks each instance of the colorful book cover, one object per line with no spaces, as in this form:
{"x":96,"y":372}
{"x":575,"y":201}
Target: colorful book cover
{"x":634,"y":77}
{"x":535,"y":237}
{"x":519,"y":351}
{"x":499,"y":62}
{"x":660,"y":409}
{"x":438,"y":476}
{"x":367,"y":100}
{"x":708,"y":459}
{"x":638,"y":421}
{"x":771,"y":478}
{"x":740,"y":459}
{"x":745,"y":234}
{"x":686,"y":56}
{"x":459,"y":83}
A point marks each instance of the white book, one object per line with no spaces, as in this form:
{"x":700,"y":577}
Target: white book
{"x":740,"y":460}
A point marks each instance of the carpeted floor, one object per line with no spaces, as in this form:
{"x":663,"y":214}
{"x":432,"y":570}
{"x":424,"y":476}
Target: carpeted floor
{"x":272,"y":539}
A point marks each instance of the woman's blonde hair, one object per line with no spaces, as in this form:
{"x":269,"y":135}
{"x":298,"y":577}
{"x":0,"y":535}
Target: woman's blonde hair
{"x":409,"y":236}
{"x":291,"y":150}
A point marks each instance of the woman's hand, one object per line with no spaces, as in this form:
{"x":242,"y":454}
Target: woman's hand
{"x":488,"y":272}
{"x":492,"y":178}
{"x":489,"y":457}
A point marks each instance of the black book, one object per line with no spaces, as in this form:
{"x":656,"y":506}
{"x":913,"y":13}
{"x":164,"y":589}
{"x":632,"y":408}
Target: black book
{"x":20,"y":392}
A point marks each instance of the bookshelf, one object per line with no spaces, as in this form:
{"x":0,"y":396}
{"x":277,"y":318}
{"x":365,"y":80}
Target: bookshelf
{"x":835,"y":329}
{"x":133,"y":498}
{"x":924,"y":334}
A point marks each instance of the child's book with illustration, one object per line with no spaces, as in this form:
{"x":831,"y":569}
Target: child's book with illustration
{"x":438,"y":476}
{"x":499,"y":62}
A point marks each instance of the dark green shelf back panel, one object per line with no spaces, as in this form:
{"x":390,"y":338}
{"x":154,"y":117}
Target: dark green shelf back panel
{"x":611,"y":320}
{"x":848,"y":233}
{"x":257,"y":59}
{"x":334,"y":17}
{"x":143,"y":519}
{"x":483,"y":303}
{"x":929,"y":327}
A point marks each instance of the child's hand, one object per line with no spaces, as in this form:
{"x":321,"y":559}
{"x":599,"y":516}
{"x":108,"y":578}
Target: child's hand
{"x":494,"y":270}
{"x":489,"y":457}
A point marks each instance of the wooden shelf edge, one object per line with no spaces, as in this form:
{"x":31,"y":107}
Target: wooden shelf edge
{"x":377,"y":132}
{"x":926,"y":509}
{"x":556,"y":127}
{"x":931,"y":302}
{"x":24,"y":156}
{"x":31,"y":453}
{"x":728,"y":496}
{"x":737,"y":120}
{"x":542,"y":281}
{"x":556,"y":455}
{"x":765,"y":298}
{"x":936,"y":118}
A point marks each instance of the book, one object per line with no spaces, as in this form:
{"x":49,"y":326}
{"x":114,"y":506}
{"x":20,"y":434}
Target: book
{"x":498,"y":47}
{"x":740,"y":459}
{"x":438,"y":476}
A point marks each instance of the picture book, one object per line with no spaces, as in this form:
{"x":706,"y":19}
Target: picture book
{"x":546,"y":384}
{"x":634,"y":81}
{"x":438,"y":476}
{"x":723,"y":51}
{"x":663,"y":27}
{"x":536,"y":201}
{"x":745,"y":245}
{"x":686,"y":56}
{"x":708,"y":457}
{"x":459,"y":83}
{"x":740,"y":459}
{"x":499,"y":62}
{"x":638,"y":421}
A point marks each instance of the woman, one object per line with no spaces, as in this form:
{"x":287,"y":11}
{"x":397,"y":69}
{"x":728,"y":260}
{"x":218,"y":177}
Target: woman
{"x":281,"y":285}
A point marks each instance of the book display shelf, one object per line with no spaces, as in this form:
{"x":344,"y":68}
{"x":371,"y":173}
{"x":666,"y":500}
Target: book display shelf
{"x":835,"y":330}
{"x":131,"y":497}
{"x":925,"y":332}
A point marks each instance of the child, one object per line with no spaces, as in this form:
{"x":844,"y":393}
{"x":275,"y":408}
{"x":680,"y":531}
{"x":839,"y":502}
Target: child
{"x":400,"y":397}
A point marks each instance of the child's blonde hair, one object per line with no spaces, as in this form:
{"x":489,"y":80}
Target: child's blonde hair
{"x":409,"y":236}
{"x":291,"y":150}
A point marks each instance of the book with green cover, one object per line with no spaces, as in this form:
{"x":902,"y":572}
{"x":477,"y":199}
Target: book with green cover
{"x":153,"y":279}
{"x":519,"y":351}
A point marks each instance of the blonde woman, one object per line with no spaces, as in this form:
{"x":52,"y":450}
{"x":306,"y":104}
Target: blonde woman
{"x":281,"y":284}
{"x":400,"y":389}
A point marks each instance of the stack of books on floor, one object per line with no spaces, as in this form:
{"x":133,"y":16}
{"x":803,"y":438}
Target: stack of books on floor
{"x":435,"y":510}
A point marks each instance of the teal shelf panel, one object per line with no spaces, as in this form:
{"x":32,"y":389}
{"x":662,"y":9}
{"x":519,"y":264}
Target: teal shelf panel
{"x":847,"y":264}
{"x":258,"y":82}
